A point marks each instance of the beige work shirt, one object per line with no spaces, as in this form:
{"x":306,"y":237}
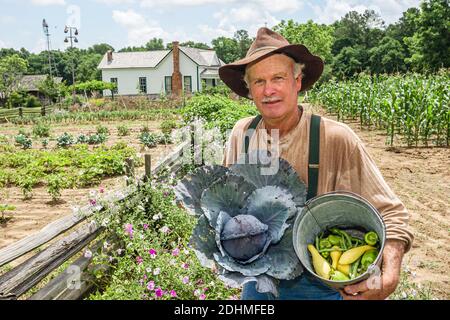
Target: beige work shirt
{"x":344,"y":165}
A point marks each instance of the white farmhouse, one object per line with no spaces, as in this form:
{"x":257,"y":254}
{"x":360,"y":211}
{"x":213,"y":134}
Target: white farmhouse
{"x":161,"y":71}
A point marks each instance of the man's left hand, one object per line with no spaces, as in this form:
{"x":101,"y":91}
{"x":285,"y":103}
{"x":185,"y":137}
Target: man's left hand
{"x":380,"y":289}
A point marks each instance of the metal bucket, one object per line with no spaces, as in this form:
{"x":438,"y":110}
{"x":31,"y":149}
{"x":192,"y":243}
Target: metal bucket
{"x":341,"y":209}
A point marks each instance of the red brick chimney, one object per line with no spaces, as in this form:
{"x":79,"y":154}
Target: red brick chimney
{"x":177,"y":86}
{"x":109,"y":56}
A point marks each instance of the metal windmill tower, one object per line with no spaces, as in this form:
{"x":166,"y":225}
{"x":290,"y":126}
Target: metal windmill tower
{"x":47,"y":34}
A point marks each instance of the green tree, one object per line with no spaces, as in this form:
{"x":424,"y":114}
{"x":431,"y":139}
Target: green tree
{"x":387,"y":57}
{"x":87,"y":67}
{"x":190,"y":44}
{"x":318,"y":38}
{"x":154,"y":44}
{"x":348,"y":62}
{"x":12,"y":69}
{"x":430,"y":44}
{"x":100,"y":49}
{"x":243,"y":42}
{"x":227,"y":49}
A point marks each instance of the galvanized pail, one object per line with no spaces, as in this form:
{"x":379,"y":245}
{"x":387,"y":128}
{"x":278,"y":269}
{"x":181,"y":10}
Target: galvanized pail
{"x":341,"y":209}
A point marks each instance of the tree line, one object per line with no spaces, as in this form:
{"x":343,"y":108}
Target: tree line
{"x":358,"y":42}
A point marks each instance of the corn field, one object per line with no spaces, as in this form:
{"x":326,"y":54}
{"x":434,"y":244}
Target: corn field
{"x":414,"y":108}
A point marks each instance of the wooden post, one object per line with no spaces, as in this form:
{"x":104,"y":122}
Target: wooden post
{"x":43,"y":111}
{"x":20,"y":112}
{"x":129,"y":168}
{"x":148,"y":167}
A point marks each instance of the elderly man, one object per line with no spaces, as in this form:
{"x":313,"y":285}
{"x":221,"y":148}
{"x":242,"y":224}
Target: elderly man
{"x":327,"y":155}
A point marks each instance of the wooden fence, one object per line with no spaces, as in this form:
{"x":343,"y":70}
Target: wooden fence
{"x":8,"y":114}
{"x":75,"y":281}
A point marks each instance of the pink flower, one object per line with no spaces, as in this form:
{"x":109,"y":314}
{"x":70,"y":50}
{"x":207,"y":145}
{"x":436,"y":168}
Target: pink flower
{"x":151,"y":285}
{"x":173,"y":293}
{"x":159,"y":292}
{"x":139,"y":259}
{"x":175,"y":252}
{"x":152,"y":253}
{"x":129,"y":229}
{"x":202,"y":296}
{"x":92,"y":202}
{"x":185,"y":266}
{"x":165,"y":229}
{"x":145,"y":226}
{"x":185,"y":280}
{"x":102,"y":190}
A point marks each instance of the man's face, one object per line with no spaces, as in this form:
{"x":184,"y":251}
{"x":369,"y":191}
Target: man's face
{"x":273,"y":87}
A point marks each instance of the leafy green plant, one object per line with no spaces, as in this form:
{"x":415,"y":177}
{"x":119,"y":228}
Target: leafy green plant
{"x":55,"y":183}
{"x":82,"y":138}
{"x":123,"y":130}
{"x":65,"y":140}
{"x":3,"y":209}
{"x":167,"y":126}
{"x":23,"y":141}
{"x":45,"y":143}
{"x":97,"y":138}
{"x":41,"y":130}
{"x":102,"y":130}
{"x":148,"y":139}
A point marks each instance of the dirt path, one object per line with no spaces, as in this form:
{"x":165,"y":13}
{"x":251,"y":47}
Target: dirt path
{"x":421,"y":179}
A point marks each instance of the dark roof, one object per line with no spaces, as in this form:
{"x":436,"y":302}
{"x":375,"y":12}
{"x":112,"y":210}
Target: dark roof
{"x":31,"y":82}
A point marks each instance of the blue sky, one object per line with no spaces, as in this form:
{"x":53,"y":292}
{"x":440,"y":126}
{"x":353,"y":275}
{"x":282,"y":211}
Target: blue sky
{"x":124,"y":23}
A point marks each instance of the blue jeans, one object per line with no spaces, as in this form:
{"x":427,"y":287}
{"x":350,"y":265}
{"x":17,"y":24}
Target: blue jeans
{"x":304,"y":287}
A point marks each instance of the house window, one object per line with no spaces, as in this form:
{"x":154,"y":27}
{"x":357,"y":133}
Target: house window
{"x":168,"y":84}
{"x":143,"y":85}
{"x":187,"y":84}
{"x":114,"y":80}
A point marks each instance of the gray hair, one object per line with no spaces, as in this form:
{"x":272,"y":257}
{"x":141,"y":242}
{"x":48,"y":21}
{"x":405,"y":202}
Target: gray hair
{"x":298,"y":70}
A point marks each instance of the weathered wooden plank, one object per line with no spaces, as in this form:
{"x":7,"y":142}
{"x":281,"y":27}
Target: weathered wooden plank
{"x":20,"y":279}
{"x":173,"y":157}
{"x":31,"y":242}
{"x":74,"y":282}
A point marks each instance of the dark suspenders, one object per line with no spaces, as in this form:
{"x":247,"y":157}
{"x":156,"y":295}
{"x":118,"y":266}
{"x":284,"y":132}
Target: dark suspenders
{"x":314,"y":147}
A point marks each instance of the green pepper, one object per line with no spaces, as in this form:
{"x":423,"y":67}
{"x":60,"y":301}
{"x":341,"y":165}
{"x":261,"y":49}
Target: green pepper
{"x":339,"y":276}
{"x":325,"y":244}
{"x":338,"y":232}
{"x":368,"y":258}
{"x":371,"y":238}
{"x":334,"y":239}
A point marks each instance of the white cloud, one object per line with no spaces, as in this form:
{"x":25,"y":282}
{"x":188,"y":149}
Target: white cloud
{"x":333,"y":10}
{"x":389,"y":10}
{"x":181,"y":3}
{"x":7,"y":19}
{"x":269,"y":5}
{"x":141,"y":30}
{"x":2,"y":44}
{"x":115,"y":2}
{"x":48,"y":2}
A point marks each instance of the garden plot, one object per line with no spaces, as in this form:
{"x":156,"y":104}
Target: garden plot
{"x":32,"y":214}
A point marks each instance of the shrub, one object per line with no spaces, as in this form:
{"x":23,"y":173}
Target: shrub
{"x":148,"y":139}
{"x":65,"y":140}
{"x":32,"y":102}
{"x":23,"y":141}
{"x":82,"y":138}
{"x":45,"y":143}
{"x":102,"y":130}
{"x":41,"y":130}
{"x":97,"y":138}
{"x":123,"y":130}
{"x":167,"y":126}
